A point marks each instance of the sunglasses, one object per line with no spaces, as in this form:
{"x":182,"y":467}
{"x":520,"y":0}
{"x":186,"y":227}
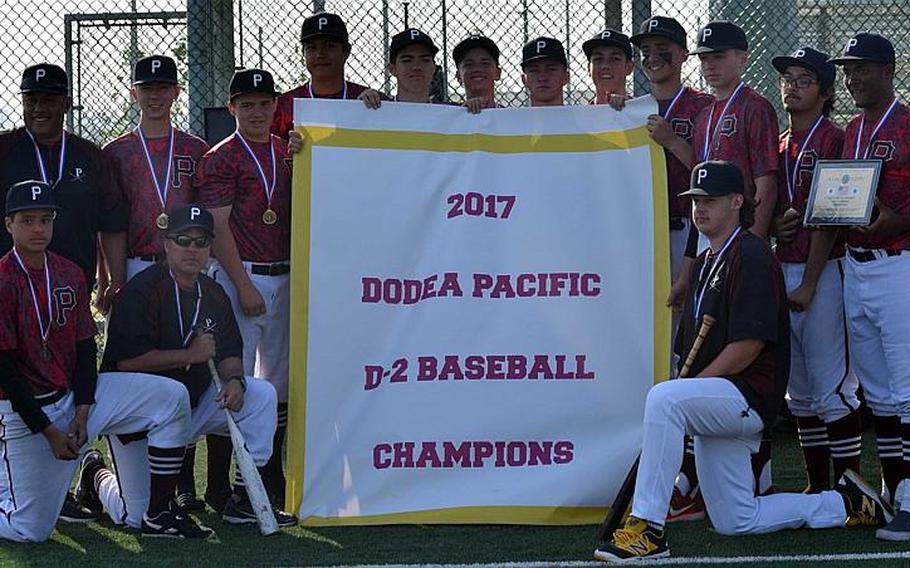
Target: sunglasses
{"x":186,"y":240}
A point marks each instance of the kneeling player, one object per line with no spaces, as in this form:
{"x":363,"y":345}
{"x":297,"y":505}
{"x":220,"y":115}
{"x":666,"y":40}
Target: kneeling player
{"x":52,"y":397}
{"x":742,"y":370}
{"x":170,"y":320}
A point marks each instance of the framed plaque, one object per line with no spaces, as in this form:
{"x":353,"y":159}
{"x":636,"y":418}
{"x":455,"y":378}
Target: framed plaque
{"x":842,"y":193}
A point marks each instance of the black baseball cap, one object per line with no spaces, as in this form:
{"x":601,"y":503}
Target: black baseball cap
{"x":608,"y":37}
{"x":715,"y":179}
{"x":543,"y":48}
{"x":252,"y":81}
{"x":472,"y":41}
{"x":188,"y":217}
{"x":866,"y":47}
{"x":155,"y":69}
{"x":29,"y":195}
{"x":811,"y":59}
{"x":720,"y":35}
{"x":660,"y":26}
{"x":44,"y":78}
{"x":407,"y":38}
{"x":327,"y":25}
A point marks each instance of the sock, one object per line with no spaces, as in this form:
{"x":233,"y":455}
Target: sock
{"x":845,"y":437}
{"x":273,"y":477}
{"x":813,"y":440}
{"x":688,"y":476}
{"x":186,"y":482}
{"x":761,"y":466}
{"x":904,"y":483}
{"x":218,"y":459}
{"x":890,"y":451}
{"x":164,"y":465}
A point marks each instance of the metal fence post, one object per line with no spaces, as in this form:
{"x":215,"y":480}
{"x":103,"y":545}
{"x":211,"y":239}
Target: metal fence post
{"x":210,"y":57}
{"x":641,"y":11}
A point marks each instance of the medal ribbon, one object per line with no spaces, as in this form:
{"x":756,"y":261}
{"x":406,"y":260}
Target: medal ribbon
{"x":161,"y":186}
{"x":673,"y":102}
{"x":711,"y":135}
{"x":703,"y":283}
{"x":269,"y":189}
{"x":791,"y":178}
{"x":45,"y":330}
{"x":344,"y":91}
{"x":862,"y":126}
{"x":41,"y":167}
{"x":185,"y":335}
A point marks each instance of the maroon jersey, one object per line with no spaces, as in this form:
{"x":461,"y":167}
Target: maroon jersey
{"x":133,"y":180}
{"x":283,"y":122}
{"x":892,"y":148}
{"x":228,"y":176}
{"x":746,"y":136}
{"x":682,"y":121}
{"x":826,"y":144}
{"x":70,"y":320}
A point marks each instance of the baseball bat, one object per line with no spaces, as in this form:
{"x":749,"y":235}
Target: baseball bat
{"x":624,"y":496}
{"x":259,"y":499}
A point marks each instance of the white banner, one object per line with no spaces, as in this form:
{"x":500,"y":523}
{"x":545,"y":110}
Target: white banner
{"x":473,"y":321}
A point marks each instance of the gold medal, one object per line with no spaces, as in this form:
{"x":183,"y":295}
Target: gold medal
{"x":269,"y":217}
{"x":161,"y":221}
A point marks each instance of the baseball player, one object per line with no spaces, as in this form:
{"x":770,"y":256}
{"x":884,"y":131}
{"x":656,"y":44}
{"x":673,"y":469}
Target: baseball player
{"x":171,"y":320}
{"x":412,"y":62}
{"x":246,"y":183}
{"x":822,"y":389}
{"x":609,"y":55}
{"x":53,"y":400}
{"x":740,"y":126}
{"x":477,"y":69}
{"x":877,"y":265}
{"x":740,"y":375}
{"x":544,"y":71}
{"x":153,"y":169}
{"x":76,"y":169}
{"x":326,"y":48}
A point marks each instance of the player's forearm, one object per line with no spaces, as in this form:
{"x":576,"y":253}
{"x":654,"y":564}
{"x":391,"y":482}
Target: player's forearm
{"x":734,"y":358}
{"x":766,"y":199}
{"x":20,"y":395}
{"x":230,"y":367}
{"x":681,"y":149}
{"x":820,"y":246}
{"x":224,"y":247}
{"x":156,"y":360}
{"x":114,"y":247}
{"x":85,"y":377}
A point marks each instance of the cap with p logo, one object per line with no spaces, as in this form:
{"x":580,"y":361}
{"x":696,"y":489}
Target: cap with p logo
{"x":660,"y":27}
{"x":407,"y":38}
{"x":28,"y":195}
{"x":190,"y":216}
{"x":721,"y":35}
{"x":808,"y":58}
{"x":714,"y":179}
{"x":44,"y":78}
{"x":252,"y":81}
{"x":325,"y":24}
{"x":155,"y":69}
{"x":543,"y":48}
{"x":611,"y":38}
{"x":866,"y":47}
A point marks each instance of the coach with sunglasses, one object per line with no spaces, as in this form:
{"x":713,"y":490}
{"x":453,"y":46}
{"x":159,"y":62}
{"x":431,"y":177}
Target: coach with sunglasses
{"x":169,"y":320}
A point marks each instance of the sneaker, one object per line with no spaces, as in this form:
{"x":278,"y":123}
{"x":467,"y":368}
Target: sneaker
{"x":86,"y":494}
{"x":239,"y":511}
{"x":73,"y":512}
{"x":897,"y":530}
{"x":188,"y":501}
{"x":686,"y":507}
{"x":637,"y":540}
{"x":864,"y":505}
{"x":173,"y":523}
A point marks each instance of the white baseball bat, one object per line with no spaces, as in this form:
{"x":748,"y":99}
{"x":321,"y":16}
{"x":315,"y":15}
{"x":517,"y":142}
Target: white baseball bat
{"x":259,"y":499}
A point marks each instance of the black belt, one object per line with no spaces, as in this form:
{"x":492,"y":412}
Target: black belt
{"x":50,"y":397}
{"x":270,"y":269}
{"x":146,"y":258}
{"x":870,"y":255}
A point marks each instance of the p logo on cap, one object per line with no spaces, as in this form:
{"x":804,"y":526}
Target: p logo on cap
{"x":799,"y":53}
{"x":415,"y":34}
{"x":706,"y":33}
{"x":37,"y":191}
{"x":653,"y":24}
{"x":39,"y":74}
{"x":322,"y":22}
{"x":702,"y":174}
{"x":851,"y":43}
{"x":257,"y":78}
{"x":541,"y":44}
{"x":194,"y":213}
{"x":156,"y":65}
{"x":605,"y":34}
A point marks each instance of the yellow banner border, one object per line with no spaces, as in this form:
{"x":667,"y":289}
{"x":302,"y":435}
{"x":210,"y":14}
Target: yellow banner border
{"x":300,"y":285}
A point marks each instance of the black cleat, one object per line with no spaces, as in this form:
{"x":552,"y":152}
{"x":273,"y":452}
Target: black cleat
{"x":73,"y":512}
{"x":188,"y":501}
{"x":174,"y":523}
{"x":86,"y":494}
{"x":896,"y":530}
{"x":239,"y":511}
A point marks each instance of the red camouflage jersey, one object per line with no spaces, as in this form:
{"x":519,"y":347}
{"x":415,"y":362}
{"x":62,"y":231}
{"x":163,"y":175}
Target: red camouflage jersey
{"x":133,"y":180}
{"x":747,"y":136}
{"x":826,"y":144}
{"x":283,"y":121}
{"x":70,"y":322}
{"x":228,"y":176}
{"x":890,"y":146}
{"x":682,"y":121}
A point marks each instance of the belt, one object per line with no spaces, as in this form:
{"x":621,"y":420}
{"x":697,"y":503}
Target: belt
{"x":50,"y":397}
{"x":146,"y":258}
{"x":870,"y":255}
{"x":270,"y":268}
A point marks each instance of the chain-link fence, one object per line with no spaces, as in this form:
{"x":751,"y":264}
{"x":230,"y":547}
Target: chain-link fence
{"x":97,"y":40}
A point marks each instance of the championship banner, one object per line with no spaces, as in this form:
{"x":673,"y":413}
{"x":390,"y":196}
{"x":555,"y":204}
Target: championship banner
{"x":477,"y":311}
